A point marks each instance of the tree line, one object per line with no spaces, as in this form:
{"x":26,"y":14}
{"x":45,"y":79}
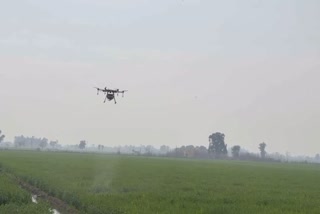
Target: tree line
{"x":218,"y":148}
{"x":33,"y":142}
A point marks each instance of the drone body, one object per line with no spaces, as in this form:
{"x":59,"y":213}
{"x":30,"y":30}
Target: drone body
{"x":110,"y":93}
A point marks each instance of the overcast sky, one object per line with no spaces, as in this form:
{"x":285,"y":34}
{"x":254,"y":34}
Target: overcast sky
{"x":249,"y":69}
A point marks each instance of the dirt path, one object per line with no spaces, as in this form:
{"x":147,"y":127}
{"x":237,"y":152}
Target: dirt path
{"x":56,"y":203}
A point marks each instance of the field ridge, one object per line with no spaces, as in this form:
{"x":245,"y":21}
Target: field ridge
{"x":56,"y":203}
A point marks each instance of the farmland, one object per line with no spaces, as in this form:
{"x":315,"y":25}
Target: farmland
{"x":96,"y":183}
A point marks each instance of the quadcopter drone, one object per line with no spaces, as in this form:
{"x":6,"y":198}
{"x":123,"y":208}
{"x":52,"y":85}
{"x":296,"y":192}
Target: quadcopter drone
{"x":110,"y":93}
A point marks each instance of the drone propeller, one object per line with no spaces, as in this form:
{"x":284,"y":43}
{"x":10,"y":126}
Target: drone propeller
{"x":98,"y":89}
{"x":123,"y":92}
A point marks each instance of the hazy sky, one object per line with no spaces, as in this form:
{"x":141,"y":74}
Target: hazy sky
{"x":249,"y":69}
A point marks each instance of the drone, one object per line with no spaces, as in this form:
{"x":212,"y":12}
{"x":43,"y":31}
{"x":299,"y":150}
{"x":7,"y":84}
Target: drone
{"x":110,"y":93}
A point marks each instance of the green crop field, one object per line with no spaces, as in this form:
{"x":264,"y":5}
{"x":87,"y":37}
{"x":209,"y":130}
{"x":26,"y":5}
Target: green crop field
{"x":96,"y":183}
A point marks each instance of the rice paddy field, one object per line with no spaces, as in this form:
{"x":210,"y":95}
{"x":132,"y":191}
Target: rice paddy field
{"x":99,"y":183}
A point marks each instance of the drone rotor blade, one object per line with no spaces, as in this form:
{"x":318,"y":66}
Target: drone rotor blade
{"x":97,"y":90}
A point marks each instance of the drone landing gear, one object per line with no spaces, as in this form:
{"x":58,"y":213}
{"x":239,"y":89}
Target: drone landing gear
{"x":105,"y":99}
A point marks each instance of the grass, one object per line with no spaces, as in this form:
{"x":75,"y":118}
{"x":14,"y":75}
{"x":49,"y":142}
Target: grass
{"x":14,"y":200}
{"x":10,"y":192}
{"x":96,"y":183}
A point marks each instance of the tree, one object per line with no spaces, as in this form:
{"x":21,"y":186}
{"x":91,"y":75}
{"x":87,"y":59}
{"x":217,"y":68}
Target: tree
{"x":43,"y":142}
{"x":1,"y":137}
{"x":53,"y":143}
{"x":82,"y":144}
{"x":100,"y":147}
{"x":217,"y":147}
{"x":149,"y":149}
{"x":19,"y":141}
{"x":164,"y":149}
{"x":262,"y":148}
{"x":201,"y":151}
{"x":190,"y":151}
{"x":235,"y":151}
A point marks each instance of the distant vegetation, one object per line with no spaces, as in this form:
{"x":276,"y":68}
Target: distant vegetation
{"x":215,"y":149}
{"x":33,"y":142}
{"x":217,"y":146}
{"x":236,"y":151}
{"x":262,"y":148}
{"x":82,"y":144}
{"x":1,"y":136}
